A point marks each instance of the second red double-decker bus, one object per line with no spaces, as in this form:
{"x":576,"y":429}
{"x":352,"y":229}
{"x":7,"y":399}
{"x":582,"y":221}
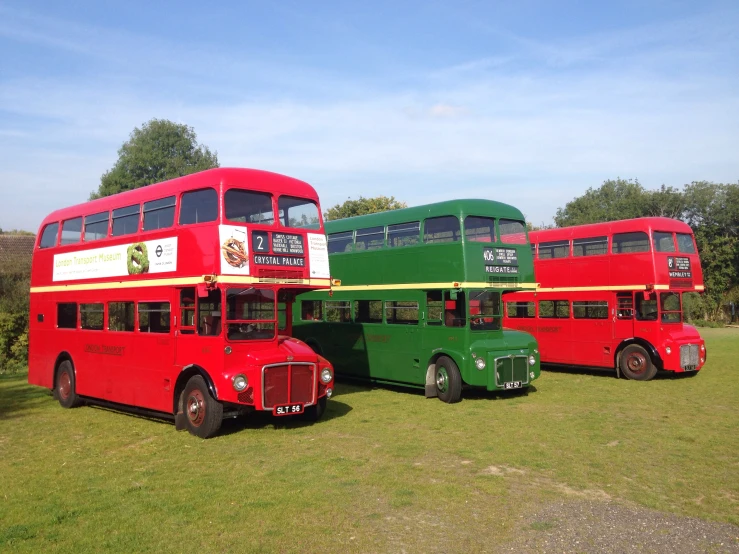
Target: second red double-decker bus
{"x":610,"y":295}
{"x":177,"y":298}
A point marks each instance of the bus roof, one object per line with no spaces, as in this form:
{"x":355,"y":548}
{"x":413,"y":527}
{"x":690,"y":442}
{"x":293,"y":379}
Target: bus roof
{"x":645,"y":224}
{"x":417,"y":213}
{"x":257,"y":180}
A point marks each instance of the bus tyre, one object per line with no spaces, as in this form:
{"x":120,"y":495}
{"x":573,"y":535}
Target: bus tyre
{"x":636,"y":363}
{"x":65,"y":391}
{"x":203,"y":413}
{"x":448,"y":380}
{"x":315,"y":412}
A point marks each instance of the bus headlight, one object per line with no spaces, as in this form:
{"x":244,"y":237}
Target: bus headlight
{"x":480,"y":363}
{"x":532,"y":360}
{"x":703,"y":347}
{"x":239,"y":382}
{"x":326,"y":376}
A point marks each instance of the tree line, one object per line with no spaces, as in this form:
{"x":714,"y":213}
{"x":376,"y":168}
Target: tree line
{"x":711,"y":210}
{"x":162,"y":150}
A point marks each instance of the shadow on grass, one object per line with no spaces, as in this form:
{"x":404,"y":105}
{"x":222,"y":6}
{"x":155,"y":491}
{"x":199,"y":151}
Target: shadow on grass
{"x":611,"y":373}
{"x":17,"y":396}
{"x":254,"y":420}
{"x":472,"y":393}
{"x":260,"y":420}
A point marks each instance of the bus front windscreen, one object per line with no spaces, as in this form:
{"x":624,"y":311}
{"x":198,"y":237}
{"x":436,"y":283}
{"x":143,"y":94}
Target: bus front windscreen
{"x":670,"y":307}
{"x":250,"y":314}
{"x":485,"y":310}
{"x":298,"y":212}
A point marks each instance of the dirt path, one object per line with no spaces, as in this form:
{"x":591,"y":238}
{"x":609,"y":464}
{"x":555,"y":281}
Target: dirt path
{"x":595,"y":526}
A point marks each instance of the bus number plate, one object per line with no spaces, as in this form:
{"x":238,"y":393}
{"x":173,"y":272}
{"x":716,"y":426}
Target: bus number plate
{"x":689,"y":368}
{"x":290,"y":409}
{"x":513,"y":385}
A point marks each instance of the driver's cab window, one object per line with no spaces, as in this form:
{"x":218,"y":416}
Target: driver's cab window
{"x":454,"y":309}
{"x":646,"y":306}
{"x":209,"y":314}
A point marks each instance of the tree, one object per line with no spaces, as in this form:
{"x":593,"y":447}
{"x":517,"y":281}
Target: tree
{"x":363,"y":206}
{"x":160,"y":150}
{"x":621,"y":199}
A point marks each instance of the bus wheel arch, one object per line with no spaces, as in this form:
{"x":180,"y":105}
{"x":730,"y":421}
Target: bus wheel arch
{"x":314,"y":345}
{"x":65,"y":386}
{"x":638,"y":360}
{"x":187,"y":373}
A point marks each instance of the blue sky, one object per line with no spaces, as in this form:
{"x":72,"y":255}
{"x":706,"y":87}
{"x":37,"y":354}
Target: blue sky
{"x":526,"y":102}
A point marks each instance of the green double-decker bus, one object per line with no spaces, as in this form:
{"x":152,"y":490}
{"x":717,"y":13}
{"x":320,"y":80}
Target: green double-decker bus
{"x":419,"y":302}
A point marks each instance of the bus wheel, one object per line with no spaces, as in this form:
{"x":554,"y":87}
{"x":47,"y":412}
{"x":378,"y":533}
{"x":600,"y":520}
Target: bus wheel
{"x":448,"y":380}
{"x":65,"y":390}
{"x":315,"y":412}
{"x":203,"y":413}
{"x":636,"y":363}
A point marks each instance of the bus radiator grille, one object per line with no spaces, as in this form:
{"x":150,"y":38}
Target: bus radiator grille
{"x":288,"y":384}
{"x":511,"y":368}
{"x":689,"y":357}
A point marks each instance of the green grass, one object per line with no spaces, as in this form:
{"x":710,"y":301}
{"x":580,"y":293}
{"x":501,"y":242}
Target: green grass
{"x":386,"y":470}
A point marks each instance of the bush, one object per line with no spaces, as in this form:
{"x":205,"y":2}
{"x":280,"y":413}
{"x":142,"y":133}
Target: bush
{"x":706,"y":323}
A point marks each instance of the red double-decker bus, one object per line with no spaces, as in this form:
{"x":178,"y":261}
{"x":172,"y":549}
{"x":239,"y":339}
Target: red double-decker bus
{"x":177,"y":298}
{"x":609,"y":295}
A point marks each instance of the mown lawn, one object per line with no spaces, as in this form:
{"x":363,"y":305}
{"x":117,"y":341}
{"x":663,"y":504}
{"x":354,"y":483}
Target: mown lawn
{"x":386,"y":470}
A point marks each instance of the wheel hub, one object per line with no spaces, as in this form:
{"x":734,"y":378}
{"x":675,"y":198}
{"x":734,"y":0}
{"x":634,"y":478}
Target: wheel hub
{"x":196,"y":408}
{"x":442,"y":380}
{"x":65,"y":385}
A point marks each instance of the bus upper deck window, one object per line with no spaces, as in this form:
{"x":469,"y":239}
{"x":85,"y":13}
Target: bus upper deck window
{"x":479,"y":229}
{"x":48,"y":236}
{"x":370,"y":238}
{"x":441,"y":229}
{"x":685,"y":243}
{"x":340,"y":242}
{"x":125,"y":220}
{"x":71,"y":231}
{"x":512,"y":231}
{"x":198,"y":206}
{"x":663,"y":242}
{"x":159,"y":214}
{"x":96,"y":226}
{"x":629,"y":243}
{"x":298,"y":212}
{"x":403,"y":234}
{"x":247,"y":206}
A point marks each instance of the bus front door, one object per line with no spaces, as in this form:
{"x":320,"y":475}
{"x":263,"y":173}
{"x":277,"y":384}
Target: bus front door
{"x":623,"y":316}
{"x":198,"y":332}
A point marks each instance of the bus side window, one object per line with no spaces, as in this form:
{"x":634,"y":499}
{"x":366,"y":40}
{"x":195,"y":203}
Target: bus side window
{"x":454,"y":310}
{"x":646,"y":307}
{"x":187,"y":311}
{"x":433,"y":307}
{"x":625,"y":303}
{"x":310,"y":310}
